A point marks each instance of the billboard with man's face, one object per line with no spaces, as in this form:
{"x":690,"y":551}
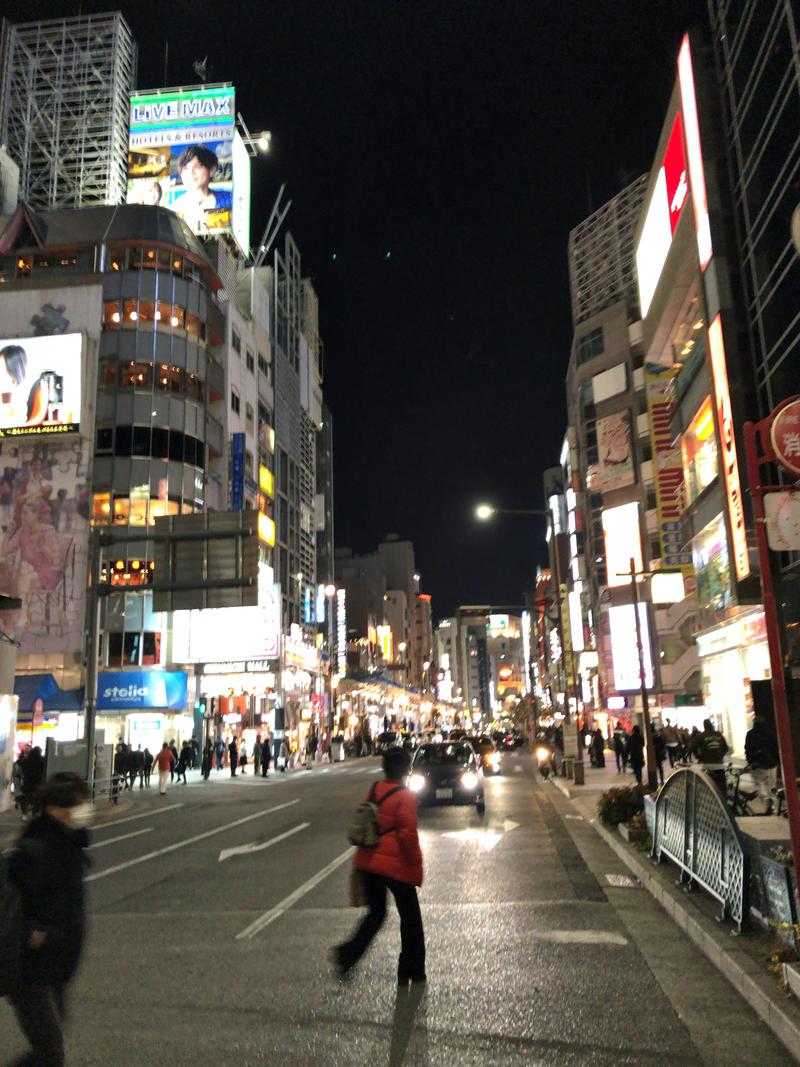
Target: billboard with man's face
{"x":40,"y":385}
{"x":181,"y":154}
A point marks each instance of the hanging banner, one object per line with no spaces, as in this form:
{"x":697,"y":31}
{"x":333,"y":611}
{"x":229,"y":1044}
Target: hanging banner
{"x":668,"y":468}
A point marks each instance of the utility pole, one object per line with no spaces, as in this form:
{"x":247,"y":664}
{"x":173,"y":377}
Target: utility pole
{"x":650,"y":754}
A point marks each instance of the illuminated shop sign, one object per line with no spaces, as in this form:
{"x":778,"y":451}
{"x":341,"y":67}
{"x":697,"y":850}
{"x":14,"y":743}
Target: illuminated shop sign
{"x":623,"y":542}
{"x":624,"y":651}
{"x":40,"y":385}
{"x":668,"y":466}
{"x":730,"y":466}
{"x":696,"y":172}
{"x":141,"y":689}
{"x":742,"y":633}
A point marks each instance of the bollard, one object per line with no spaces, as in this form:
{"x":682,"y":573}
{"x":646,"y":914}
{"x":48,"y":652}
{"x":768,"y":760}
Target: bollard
{"x":578,"y":773}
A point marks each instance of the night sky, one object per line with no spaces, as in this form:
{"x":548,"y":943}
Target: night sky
{"x":437,"y":154}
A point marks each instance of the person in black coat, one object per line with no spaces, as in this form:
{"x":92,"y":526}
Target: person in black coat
{"x":32,"y":777}
{"x":47,"y":866}
{"x":636,"y":752}
{"x":233,"y":756}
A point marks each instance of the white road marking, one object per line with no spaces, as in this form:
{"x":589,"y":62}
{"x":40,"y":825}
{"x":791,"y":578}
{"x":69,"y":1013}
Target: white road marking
{"x":188,"y":841}
{"x":270,"y":916}
{"x":578,"y":817}
{"x":132,"y":818}
{"x":518,"y":769}
{"x":121,"y":837}
{"x":580,"y":937}
{"x":487,"y":838}
{"x":243,"y":850}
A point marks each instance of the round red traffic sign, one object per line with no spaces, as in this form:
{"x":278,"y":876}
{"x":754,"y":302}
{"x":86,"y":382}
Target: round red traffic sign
{"x":785,"y":436}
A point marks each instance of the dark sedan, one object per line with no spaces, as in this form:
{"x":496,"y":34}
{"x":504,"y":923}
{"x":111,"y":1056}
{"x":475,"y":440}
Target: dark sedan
{"x":448,"y":773}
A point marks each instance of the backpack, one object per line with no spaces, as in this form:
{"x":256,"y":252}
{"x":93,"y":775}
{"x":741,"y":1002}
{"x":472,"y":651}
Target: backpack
{"x":363,"y":830}
{"x":12,"y":929}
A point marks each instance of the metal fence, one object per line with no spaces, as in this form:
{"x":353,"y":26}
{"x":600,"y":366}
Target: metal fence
{"x":694,"y":829}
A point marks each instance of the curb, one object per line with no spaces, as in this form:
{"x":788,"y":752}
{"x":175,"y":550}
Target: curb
{"x":736,"y":965}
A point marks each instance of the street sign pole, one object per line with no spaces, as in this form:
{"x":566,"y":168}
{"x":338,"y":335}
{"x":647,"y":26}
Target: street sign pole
{"x":650,"y":754}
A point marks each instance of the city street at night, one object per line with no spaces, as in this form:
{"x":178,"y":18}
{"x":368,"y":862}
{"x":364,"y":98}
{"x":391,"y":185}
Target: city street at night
{"x":211,"y":913}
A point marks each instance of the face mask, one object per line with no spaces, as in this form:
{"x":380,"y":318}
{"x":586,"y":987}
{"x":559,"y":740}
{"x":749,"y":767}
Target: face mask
{"x":81,"y":815}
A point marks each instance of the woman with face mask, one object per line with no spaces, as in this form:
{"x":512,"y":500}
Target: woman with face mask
{"x":48,"y":866}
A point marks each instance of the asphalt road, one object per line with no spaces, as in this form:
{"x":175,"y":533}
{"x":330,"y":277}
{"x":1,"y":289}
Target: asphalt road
{"x":212,"y":911}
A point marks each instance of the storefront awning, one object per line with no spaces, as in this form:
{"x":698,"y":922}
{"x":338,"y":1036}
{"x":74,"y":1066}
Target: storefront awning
{"x":32,"y":687}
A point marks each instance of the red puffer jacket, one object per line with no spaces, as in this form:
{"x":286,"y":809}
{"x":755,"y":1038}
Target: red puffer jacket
{"x":397,"y":855}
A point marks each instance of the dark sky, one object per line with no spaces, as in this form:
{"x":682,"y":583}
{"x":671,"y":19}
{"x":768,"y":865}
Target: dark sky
{"x":465,"y":138}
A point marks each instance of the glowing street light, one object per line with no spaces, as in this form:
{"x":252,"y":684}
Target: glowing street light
{"x":330,"y":590}
{"x":484,"y":512}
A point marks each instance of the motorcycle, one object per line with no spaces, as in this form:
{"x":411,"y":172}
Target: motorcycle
{"x":544,"y":754}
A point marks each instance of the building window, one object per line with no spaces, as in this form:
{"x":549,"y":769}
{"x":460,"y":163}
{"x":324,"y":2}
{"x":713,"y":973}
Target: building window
{"x":170,"y":379}
{"x":112,"y":314}
{"x":101,"y":507}
{"x":249,"y":415}
{"x":263,"y":366}
{"x":712,"y":569}
{"x":104,"y":440}
{"x":699,"y":452}
{"x":107,"y":372}
{"x":194,"y":388}
{"x":251,"y":361}
{"x":235,"y":404}
{"x":135,"y":375}
{"x":589,"y":346}
{"x":236,"y":342}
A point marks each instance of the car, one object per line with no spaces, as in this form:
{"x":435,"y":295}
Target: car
{"x":487,"y":753}
{"x":386,"y":740}
{"x":457,"y":735}
{"x":447,"y":773}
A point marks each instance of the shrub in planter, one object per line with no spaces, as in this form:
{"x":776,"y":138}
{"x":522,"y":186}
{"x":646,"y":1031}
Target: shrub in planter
{"x":621,"y":804}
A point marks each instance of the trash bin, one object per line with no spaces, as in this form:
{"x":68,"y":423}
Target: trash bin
{"x":577,"y":772}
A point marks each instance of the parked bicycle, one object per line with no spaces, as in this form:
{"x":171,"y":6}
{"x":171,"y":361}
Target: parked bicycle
{"x":739,"y":798}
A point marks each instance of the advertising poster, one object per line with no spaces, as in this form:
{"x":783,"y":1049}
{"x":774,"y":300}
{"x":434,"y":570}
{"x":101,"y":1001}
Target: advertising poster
{"x":615,"y":457}
{"x":668,"y":468}
{"x":181,"y":154}
{"x":40,"y":385}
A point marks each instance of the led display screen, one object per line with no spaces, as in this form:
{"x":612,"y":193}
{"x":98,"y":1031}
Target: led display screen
{"x":624,"y":650}
{"x":40,"y":385}
{"x":623,"y":542}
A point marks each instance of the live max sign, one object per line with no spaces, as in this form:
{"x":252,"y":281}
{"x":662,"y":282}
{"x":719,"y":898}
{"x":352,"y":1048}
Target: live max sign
{"x":785,"y":436}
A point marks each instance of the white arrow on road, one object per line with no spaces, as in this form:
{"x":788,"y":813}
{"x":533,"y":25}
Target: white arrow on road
{"x":259,"y":846}
{"x":487,"y":839}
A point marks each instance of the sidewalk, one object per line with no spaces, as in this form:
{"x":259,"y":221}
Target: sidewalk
{"x":742,"y":960}
{"x":599,"y":779}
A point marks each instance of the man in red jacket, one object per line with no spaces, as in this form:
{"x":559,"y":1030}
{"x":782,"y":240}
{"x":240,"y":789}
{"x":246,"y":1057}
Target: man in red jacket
{"x":395,"y":863}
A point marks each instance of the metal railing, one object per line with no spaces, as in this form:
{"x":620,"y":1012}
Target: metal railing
{"x":695,"y":830}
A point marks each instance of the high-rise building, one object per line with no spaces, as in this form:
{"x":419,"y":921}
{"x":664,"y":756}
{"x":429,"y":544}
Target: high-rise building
{"x":65,"y":86}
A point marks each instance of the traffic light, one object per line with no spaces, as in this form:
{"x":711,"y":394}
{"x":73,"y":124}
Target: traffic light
{"x":200,"y":706}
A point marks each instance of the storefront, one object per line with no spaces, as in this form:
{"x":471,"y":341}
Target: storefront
{"x":144,"y":708}
{"x":46,"y":710}
{"x":732,"y":655}
{"x":239,"y":697}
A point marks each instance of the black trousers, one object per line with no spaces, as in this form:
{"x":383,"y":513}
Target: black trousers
{"x":411,"y":965}
{"x":40,"y":1014}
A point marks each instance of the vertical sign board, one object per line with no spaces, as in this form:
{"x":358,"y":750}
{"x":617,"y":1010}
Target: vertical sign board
{"x":669,"y":468}
{"x":237,"y":472}
{"x":727,"y":444}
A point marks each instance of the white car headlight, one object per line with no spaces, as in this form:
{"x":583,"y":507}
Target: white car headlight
{"x":470,"y":780}
{"x":416,"y":783}
{"x":494,"y":759}
{"x":542,"y":753}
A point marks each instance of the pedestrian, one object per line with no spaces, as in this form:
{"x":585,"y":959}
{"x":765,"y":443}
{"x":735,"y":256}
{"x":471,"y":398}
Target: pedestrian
{"x":598,"y":746}
{"x":207,"y":761}
{"x":635,"y":752}
{"x":671,"y":742}
{"x":136,"y":767}
{"x":394,"y":864}
{"x":16,"y":780}
{"x":174,"y":750}
{"x":243,"y":756}
{"x":121,"y":766}
{"x":47,"y":867}
{"x":711,"y":751}
{"x":184,"y":759}
{"x":233,"y":754}
{"x":219,"y":752}
{"x":147,"y":766}
{"x":165,"y":762}
{"x":620,"y":737}
{"x":684,"y":744}
{"x":762,"y":757}
{"x":695,"y":740}
{"x":660,"y":753}
{"x":283,"y":758}
{"x":32,"y":778}
{"x":194,"y":745}
{"x":266,"y":755}
{"x":257,"y":750}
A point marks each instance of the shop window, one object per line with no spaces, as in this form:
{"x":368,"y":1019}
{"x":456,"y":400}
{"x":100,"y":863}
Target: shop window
{"x":135,"y":375}
{"x":712,"y":569}
{"x":104,"y":440}
{"x":107,"y":372}
{"x":160,"y":508}
{"x":122,"y":507}
{"x":177,"y":318}
{"x":699,"y":452}
{"x":130,"y":311}
{"x":101,"y":507}
{"x":194,"y":388}
{"x":123,"y":649}
{"x":112,"y":314}
{"x":151,"y":648}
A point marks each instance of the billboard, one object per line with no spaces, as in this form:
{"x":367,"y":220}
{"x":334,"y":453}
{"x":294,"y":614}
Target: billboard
{"x":40,"y":385}
{"x":181,"y":154}
{"x":624,"y":650}
{"x":141,"y":689}
{"x":668,"y":464}
{"x":623,"y":542}
{"x":615,"y":456}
